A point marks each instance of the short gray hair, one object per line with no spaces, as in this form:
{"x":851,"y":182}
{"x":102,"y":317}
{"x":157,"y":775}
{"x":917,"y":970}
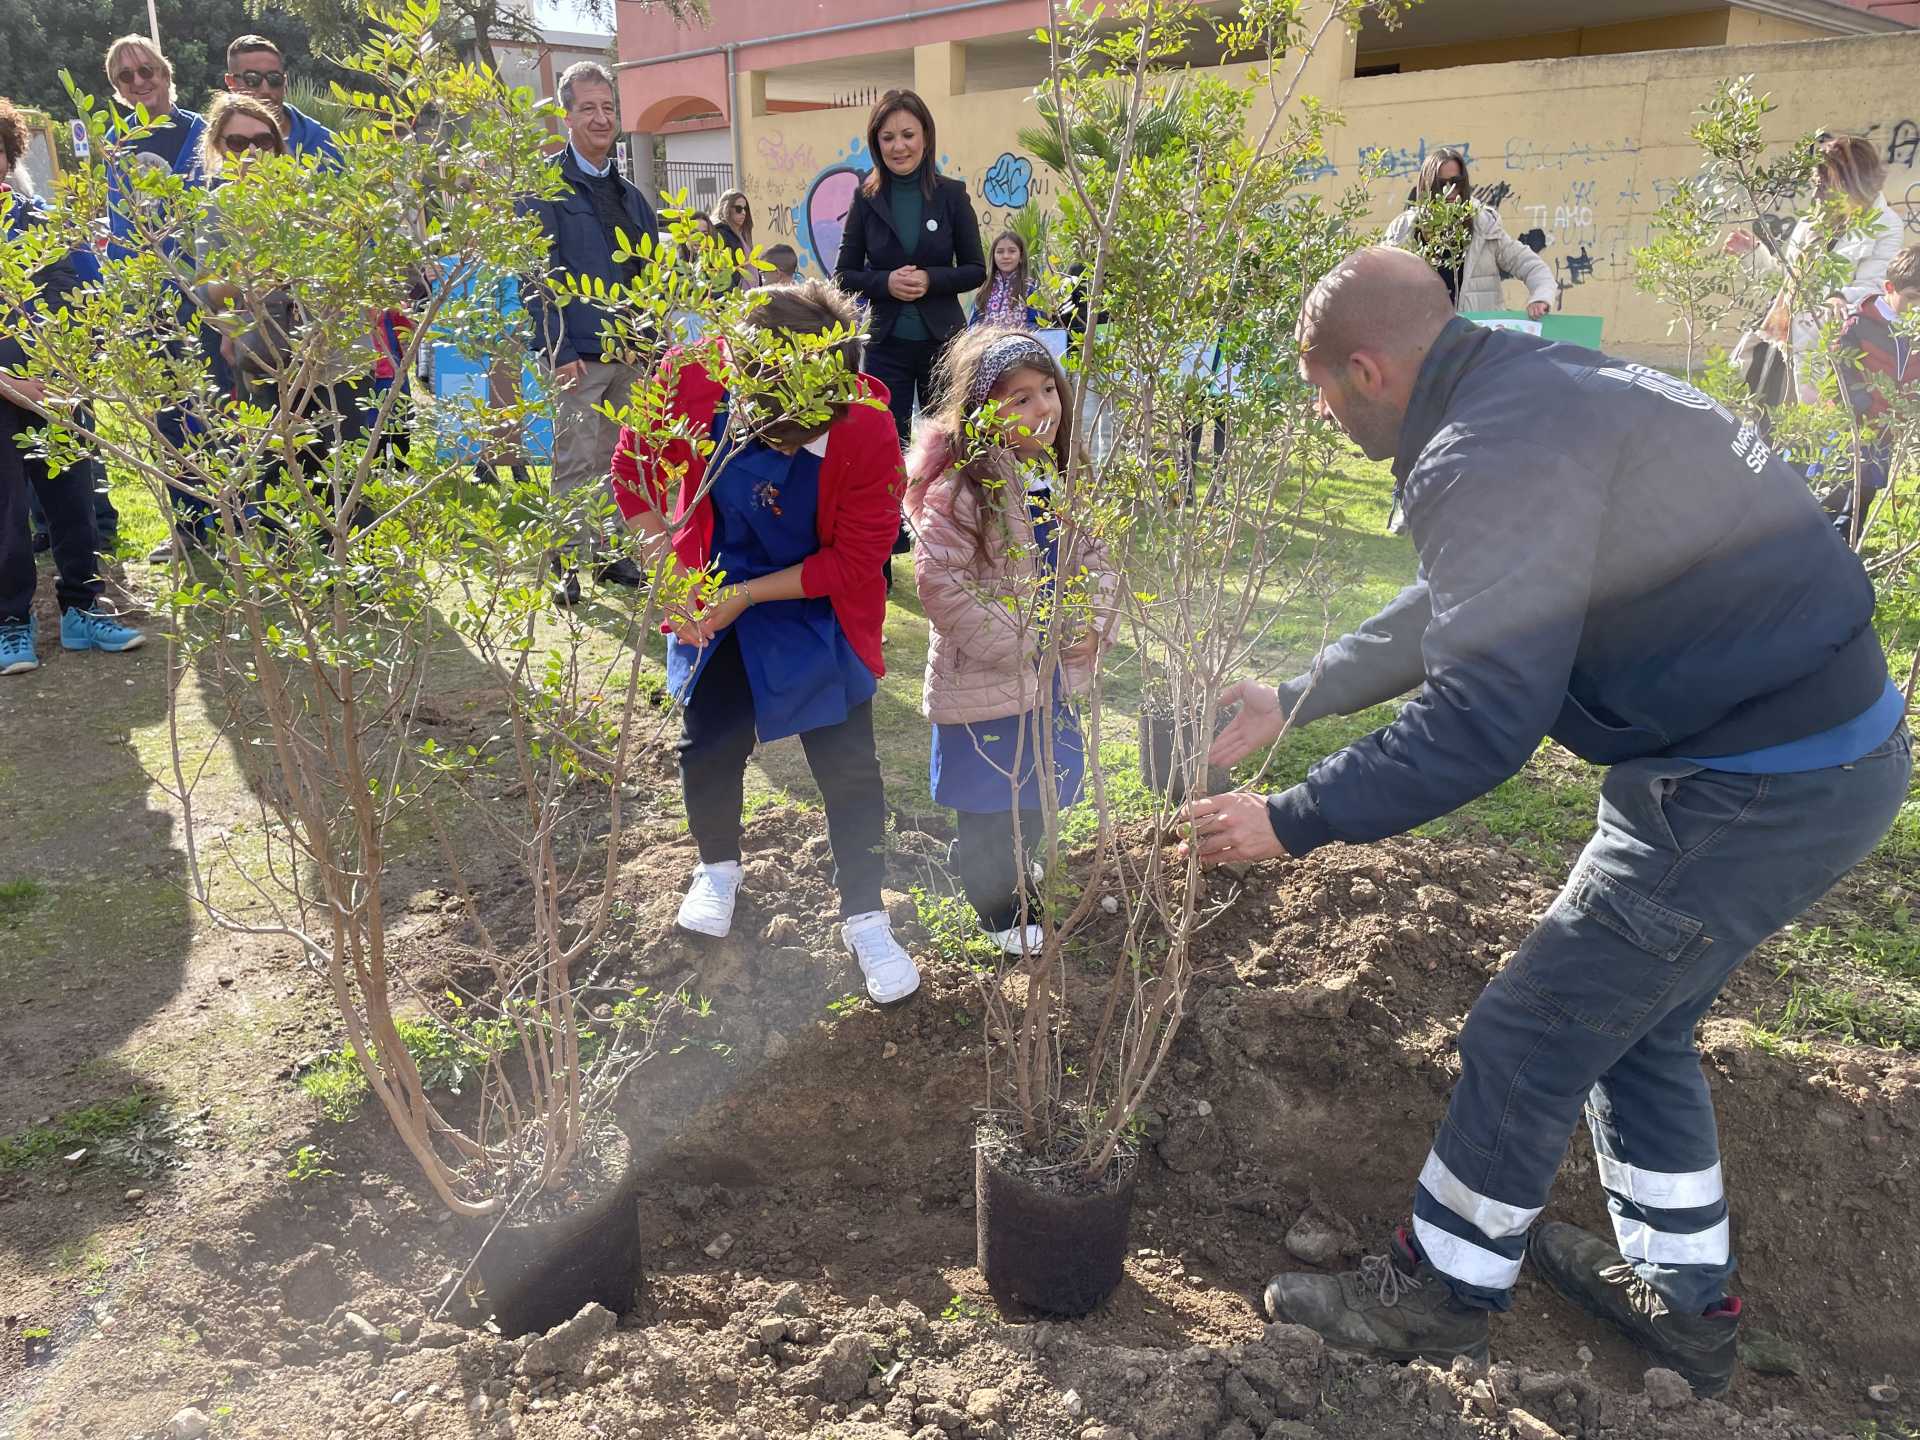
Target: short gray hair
{"x":590,"y":71}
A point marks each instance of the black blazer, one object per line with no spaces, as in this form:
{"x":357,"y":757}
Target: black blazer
{"x":870,"y":250}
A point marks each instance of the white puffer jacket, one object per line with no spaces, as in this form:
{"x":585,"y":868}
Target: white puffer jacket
{"x":1492,"y":255}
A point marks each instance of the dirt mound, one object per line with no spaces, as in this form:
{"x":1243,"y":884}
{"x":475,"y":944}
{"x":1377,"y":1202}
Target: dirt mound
{"x":807,"y":1211}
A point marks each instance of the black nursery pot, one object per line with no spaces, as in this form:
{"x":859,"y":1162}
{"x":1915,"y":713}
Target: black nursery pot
{"x":1165,"y":743}
{"x":539,"y":1271}
{"x":1056,"y":1252}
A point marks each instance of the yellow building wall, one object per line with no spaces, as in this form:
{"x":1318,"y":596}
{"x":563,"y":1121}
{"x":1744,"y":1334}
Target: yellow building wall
{"x":1575,"y":154}
{"x":1672,"y":32}
{"x":1750,"y":27}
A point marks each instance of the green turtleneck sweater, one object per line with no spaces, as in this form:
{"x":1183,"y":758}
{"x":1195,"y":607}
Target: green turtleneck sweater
{"x":908,"y":206}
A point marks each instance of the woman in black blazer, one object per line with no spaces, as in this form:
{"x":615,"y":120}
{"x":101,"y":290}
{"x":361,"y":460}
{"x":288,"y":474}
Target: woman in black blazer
{"x":911,"y":249}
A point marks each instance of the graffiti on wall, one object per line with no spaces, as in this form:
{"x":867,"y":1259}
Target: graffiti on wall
{"x":1396,"y":161}
{"x":781,"y":158}
{"x":1009,"y":182}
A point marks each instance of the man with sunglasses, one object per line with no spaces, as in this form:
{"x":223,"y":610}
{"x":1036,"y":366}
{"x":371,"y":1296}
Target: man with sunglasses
{"x":256,"y":67}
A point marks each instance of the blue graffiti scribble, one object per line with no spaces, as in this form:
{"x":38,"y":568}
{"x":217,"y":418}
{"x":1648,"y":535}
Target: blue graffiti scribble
{"x":1392,"y":161}
{"x":1315,"y":167}
{"x":1006,"y":183}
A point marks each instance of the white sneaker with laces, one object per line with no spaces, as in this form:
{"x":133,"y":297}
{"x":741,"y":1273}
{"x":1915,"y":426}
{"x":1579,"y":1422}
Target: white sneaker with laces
{"x":708,"y":908}
{"x":891,"y":974}
{"x":1018,"y":939}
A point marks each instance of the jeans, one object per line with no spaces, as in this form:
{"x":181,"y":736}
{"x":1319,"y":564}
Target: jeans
{"x":718,"y":738}
{"x":69,"y":508}
{"x":91,"y":474}
{"x":993,"y":871}
{"x":1688,"y":870}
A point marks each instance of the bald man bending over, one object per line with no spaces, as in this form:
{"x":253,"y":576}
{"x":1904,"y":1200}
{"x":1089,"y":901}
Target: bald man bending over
{"x":1608,"y":558}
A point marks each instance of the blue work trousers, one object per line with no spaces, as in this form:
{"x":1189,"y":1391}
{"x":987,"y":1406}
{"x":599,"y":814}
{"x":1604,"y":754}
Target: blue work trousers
{"x":1688,"y":870}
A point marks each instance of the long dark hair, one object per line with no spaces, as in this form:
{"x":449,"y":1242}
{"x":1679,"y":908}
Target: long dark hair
{"x":1437,"y":161}
{"x":886,"y":105}
{"x":993,"y":270}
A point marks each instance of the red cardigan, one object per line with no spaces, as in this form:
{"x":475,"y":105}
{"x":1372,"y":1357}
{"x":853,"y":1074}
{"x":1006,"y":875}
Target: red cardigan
{"x":858,"y":518}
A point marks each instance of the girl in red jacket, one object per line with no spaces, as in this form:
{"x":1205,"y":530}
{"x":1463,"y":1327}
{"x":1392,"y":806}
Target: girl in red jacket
{"x":799,"y":522}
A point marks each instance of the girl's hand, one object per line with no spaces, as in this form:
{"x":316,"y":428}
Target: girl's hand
{"x":1740,"y":242}
{"x":1535,"y":309}
{"x":702,"y":626}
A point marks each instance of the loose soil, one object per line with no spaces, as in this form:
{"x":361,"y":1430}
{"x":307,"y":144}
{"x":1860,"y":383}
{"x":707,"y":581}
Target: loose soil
{"x":806,"y":1202}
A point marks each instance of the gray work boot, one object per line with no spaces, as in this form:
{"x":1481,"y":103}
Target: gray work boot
{"x":1396,"y":1306}
{"x":1596,"y":1277}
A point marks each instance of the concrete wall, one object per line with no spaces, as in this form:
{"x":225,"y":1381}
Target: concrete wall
{"x":1575,"y":153}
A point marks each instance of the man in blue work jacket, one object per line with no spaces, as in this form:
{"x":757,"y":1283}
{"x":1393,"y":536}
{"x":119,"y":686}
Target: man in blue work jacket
{"x":1609,"y":558}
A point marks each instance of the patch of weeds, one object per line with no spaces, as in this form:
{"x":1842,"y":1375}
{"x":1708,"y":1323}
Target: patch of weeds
{"x":1845,"y":1015}
{"x":87,"y":1127}
{"x":845,"y":1005}
{"x":17,"y":898}
{"x":447,"y":1056}
{"x":953,"y":929}
{"x":1128,"y":798}
{"x":960,"y":1308}
{"x":153,"y":1142}
{"x":310,"y":1163}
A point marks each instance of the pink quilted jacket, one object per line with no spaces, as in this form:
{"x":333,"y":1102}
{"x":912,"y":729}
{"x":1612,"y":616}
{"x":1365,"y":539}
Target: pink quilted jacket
{"x":984,"y":653}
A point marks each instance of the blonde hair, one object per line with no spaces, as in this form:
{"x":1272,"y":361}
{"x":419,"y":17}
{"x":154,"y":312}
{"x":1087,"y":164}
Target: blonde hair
{"x":1855,"y":167}
{"x":225,"y":106}
{"x":120,"y":47}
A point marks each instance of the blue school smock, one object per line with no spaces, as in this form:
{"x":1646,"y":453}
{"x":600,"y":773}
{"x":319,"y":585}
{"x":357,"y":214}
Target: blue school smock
{"x":973,"y":765}
{"x":802,"y":671}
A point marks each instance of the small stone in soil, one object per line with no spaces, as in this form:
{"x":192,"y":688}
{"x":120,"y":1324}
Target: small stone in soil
{"x":1666,"y":1389}
{"x":77,"y":1157}
{"x":1526,"y":1426}
{"x":719,"y":1245}
{"x":134,"y":1197}
{"x":1885,"y":1393}
{"x":889,"y":1050}
{"x":188,"y":1424}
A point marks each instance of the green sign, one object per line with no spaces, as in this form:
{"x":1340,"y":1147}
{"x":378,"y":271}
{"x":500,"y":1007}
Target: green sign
{"x":1569,"y":329}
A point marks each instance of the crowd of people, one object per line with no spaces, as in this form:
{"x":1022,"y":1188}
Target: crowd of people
{"x":1650,"y":584}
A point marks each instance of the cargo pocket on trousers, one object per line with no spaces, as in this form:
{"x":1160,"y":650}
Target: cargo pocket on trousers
{"x":1605,"y":955}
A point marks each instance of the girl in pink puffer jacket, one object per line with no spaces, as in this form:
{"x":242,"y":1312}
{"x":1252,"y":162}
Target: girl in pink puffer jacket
{"x":996,"y":566}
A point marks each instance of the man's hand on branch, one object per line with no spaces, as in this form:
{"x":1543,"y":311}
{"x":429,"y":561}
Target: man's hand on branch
{"x":1256,"y":726}
{"x":1231,"y":829}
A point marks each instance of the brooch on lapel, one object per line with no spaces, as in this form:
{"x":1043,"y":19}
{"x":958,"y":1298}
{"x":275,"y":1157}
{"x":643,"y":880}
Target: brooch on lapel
{"x":767,"y":495}
{"x":933,"y":224}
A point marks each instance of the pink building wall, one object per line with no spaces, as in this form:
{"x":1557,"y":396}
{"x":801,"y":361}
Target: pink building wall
{"x":651,"y":94}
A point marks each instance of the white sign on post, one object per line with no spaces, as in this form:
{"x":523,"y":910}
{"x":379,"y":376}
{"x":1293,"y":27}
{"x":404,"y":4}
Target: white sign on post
{"x":82,"y":146}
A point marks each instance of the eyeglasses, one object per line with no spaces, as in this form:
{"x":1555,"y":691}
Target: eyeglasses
{"x":240,"y":144}
{"x":270,"y":79}
{"x":145,"y":72}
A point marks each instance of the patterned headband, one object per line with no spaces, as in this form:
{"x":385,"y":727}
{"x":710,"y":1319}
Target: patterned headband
{"x":1014,"y":352}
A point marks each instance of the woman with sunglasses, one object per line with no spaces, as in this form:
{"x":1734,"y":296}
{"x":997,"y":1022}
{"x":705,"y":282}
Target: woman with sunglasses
{"x":258,"y":336}
{"x":733,"y":223}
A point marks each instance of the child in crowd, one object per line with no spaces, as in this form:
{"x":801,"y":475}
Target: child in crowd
{"x":1007,"y":296}
{"x":786,"y":265}
{"x":799,"y":521}
{"x":991,"y":555}
{"x":1869,"y":348}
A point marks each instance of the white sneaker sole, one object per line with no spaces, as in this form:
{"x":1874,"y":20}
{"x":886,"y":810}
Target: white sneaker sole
{"x":906,"y":994}
{"x":711,"y":930}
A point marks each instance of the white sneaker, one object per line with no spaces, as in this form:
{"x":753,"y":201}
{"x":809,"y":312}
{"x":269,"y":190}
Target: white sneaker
{"x":890,"y":971}
{"x":708,"y":908}
{"x":1019,"y":939}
